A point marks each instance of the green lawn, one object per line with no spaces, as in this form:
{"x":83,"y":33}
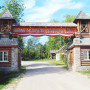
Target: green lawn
{"x":85,"y":73}
{"x":60,"y":62}
{"x":6,"y":79}
{"x":36,"y":60}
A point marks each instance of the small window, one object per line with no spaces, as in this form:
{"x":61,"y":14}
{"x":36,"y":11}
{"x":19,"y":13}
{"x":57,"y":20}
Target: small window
{"x":87,"y":55}
{"x":3,"y":56}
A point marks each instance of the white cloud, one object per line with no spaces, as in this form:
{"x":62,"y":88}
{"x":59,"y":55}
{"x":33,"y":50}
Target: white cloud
{"x":75,"y":5}
{"x":29,"y":4}
{"x":45,"y":12}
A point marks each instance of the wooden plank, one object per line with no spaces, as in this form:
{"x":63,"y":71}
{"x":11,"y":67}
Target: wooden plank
{"x":71,"y":58}
{"x":42,"y":30}
{"x":78,"y":26}
{"x":89,"y":26}
{"x":85,"y":64}
{"x":85,"y":61}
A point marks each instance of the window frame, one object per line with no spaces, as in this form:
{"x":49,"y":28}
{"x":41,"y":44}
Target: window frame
{"x":87,"y":55}
{"x":3,"y":58}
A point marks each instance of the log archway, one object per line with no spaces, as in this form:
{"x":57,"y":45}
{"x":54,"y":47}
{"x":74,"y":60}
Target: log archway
{"x":44,"y":29}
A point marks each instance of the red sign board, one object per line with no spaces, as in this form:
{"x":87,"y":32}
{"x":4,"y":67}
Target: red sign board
{"x":44,"y":31}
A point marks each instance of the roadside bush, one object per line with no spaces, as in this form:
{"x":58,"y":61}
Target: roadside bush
{"x":65,"y":61}
{"x":61,"y":57}
{"x":64,"y":58}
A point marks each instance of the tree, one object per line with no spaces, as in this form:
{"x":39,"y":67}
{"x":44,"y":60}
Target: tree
{"x":30,"y":51}
{"x":34,"y":50}
{"x":54,"y":20}
{"x":32,"y":42}
{"x":21,"y":42}
{"x":16,"y":8}
{"x":42,"y":51}
{"x":69,"y":18}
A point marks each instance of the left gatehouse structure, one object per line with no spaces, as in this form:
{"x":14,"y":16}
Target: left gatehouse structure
{"x":9,"y":46}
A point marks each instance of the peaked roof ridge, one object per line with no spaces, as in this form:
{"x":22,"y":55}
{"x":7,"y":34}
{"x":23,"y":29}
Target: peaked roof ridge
{"x":6,"y":15}
{"x":82,"y":15}
{"x":44,"y":24}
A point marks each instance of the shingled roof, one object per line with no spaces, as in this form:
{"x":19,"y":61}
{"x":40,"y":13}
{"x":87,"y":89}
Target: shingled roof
{"x":44,"y":24}
{"x":81,"y":16}
{"x":6,"y":15}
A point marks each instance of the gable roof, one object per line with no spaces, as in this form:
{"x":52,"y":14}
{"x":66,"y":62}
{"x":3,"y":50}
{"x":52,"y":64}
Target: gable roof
{"x":81,"y":16}
{"x":44,"y":24}
{"x":6,"y":15}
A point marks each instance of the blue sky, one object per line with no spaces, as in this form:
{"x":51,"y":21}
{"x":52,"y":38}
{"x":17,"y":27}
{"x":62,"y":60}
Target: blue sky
{"x":46,"y":10}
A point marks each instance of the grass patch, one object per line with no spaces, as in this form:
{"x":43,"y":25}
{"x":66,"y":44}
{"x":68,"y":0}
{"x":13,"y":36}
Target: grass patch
{"x":84,"y":72}
{"x":60,"y":62}
{"x":36,"y":60}
{"x":7,"y":78}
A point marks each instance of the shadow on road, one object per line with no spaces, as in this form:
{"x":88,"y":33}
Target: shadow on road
{"x":43,"y":68}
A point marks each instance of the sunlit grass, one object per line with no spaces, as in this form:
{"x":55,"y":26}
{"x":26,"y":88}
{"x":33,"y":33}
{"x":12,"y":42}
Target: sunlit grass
{"x":84,"y":72}
{"x":60,"y":62}
{"x":36,"y":60}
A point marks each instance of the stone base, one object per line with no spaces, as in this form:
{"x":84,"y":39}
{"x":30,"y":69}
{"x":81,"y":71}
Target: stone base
{"x":9,"y":69}
{"x":82,"y":68}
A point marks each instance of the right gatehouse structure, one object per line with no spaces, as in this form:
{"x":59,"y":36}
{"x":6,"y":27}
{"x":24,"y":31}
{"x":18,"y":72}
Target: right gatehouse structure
{"x":79,"y":50}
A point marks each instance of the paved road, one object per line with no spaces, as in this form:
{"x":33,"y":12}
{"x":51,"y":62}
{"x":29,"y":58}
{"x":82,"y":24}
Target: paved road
{"x":44,"y":76}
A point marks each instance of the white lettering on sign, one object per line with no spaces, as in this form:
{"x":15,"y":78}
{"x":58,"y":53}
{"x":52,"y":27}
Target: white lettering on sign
{"x":44,"y":30}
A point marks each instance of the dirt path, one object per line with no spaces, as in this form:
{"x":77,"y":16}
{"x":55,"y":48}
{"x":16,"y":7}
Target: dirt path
{"x":44,"y":76}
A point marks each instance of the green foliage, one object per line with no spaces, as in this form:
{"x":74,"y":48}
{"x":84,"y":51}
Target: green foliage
{"x":37,"y":60}
{"x":16,"y":8}
{"x":54,"y":20}
{"x":42,"y":53}
{"x":34,"y":50}
{"x":64,"y":58}
{"x":60,"y":62}
{"x":32,"y":42}
{"x":21,"y":43}
{"x":85,"y":72}
{"x":65,"y":61}
{"x":57,"y":42}
{"x":69,"y":18}
{"x":61,"y":56}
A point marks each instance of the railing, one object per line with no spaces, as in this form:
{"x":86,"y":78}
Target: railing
{"x":5,"y":28}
